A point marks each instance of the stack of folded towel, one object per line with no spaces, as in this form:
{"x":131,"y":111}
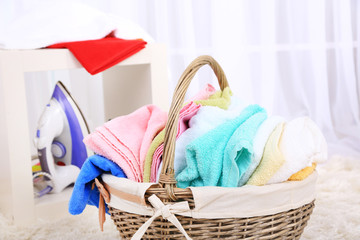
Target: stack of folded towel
{"x":220,"y":141}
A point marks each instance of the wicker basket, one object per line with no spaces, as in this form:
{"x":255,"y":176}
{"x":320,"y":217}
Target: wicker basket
{"x":287,"y":224}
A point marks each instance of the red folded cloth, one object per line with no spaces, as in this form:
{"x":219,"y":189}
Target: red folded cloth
{"x":98,"y":55}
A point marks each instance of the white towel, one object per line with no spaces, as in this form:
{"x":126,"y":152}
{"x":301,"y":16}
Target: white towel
{"x":51,"y":22}
{"x":302,"y":143}
{"x":261,"y":137}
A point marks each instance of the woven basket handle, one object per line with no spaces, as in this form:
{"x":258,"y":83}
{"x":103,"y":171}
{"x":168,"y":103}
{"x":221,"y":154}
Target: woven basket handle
{"x":167,"y":176}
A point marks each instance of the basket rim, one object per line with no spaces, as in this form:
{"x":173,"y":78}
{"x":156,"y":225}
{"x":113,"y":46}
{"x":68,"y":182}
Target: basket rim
{"x":218,"y":202}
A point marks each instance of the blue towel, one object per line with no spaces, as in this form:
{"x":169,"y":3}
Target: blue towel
{"x":222,"y":155}
{"x":82,"y":194}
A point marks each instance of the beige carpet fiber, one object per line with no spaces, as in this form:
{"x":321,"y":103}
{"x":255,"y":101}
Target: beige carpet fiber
{"x":336,"y":215}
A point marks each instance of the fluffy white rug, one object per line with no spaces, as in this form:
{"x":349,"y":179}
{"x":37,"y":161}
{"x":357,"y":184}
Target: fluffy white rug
{"x":337,"y":207}
{"x":336,"y":215}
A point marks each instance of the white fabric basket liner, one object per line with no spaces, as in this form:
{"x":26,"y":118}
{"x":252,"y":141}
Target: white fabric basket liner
{"x":221,"y":202}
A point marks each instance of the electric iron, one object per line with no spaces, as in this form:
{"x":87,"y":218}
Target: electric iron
{"x":59,"y":139}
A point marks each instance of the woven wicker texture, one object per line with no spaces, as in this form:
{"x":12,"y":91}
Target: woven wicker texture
{"x":284,"y":225}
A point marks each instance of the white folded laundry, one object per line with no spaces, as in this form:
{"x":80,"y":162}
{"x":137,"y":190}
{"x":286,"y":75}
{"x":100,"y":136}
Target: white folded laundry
{"x":302,"y":144}
{"x":51,"y":22}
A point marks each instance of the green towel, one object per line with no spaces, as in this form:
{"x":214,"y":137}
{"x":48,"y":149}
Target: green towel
{"x":221,"y":99}
{"x":221,"y":156}
{"x":158,"y":140}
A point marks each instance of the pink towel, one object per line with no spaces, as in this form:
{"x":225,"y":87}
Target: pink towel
{"x":186,"y":113}
{"x":126,"y":139}
{"x":204,"y":93}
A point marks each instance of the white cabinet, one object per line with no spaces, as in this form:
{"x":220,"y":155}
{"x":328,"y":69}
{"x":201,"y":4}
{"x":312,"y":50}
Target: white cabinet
{"x":16,"y":190}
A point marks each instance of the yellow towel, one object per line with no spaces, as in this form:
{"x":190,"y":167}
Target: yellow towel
{"x":221,"y":99}
{"x":271,"y":161}
{"x":158,"y":140}
{"x":302,"y":174}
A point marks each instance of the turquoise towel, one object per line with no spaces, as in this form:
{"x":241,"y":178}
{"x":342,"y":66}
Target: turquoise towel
{"x":222,"y":155}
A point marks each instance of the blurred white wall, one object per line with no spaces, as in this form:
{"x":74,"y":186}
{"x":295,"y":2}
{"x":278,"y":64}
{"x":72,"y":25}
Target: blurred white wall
{"x":294,"y":57}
